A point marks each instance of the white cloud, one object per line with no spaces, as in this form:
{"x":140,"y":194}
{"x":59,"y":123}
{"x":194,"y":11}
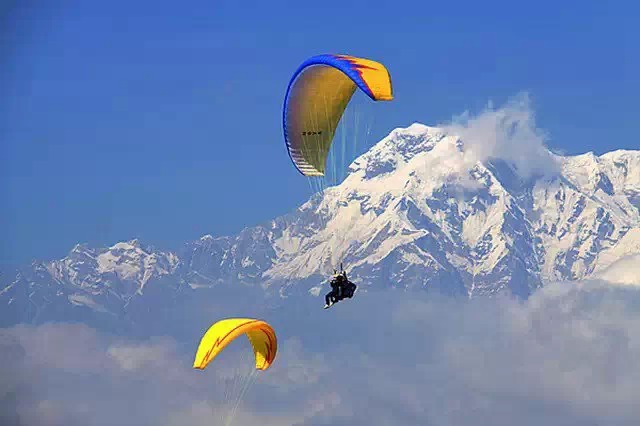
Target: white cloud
{"x":508,"y":133}
{"x":131,"y":357}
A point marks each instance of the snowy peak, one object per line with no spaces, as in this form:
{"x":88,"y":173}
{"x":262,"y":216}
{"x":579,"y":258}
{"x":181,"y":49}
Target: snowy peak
{"x":614,"y":172}
{"x":211,"y":261}
{"x":396,"y":150}
{"x":623,"y":167}
{"x":128,"y":265}
{"x":129,"y":261}
{"x":626,"y":165}
{"x":588,"y":173}
{"x":418,"y":213}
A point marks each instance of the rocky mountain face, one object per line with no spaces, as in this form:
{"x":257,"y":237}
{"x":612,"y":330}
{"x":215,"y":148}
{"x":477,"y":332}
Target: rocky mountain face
{"x":415,"y":212}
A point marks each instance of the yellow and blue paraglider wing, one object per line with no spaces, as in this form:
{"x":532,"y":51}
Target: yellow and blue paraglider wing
{"x":316,"y":98}
{"x":261,"y":336}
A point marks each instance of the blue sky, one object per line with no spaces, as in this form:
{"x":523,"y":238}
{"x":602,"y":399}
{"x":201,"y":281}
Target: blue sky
{"x":144,"y":119}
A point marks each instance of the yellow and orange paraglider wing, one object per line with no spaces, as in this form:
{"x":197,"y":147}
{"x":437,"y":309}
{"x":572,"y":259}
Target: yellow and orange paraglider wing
{"x":265,"y":346}
{"x":219,"y":335}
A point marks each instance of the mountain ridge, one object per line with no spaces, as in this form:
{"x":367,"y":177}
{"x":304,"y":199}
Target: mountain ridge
{"x":419,"y":210}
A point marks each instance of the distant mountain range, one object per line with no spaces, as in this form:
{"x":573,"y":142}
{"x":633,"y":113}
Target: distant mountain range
{"x":403,"y":218}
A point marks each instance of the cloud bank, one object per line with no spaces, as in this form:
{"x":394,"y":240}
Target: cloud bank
{"x":567,"y":356}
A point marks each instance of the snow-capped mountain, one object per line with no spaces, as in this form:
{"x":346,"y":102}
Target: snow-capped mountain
{"x":103,"y":280}
{"x":417,"y":211}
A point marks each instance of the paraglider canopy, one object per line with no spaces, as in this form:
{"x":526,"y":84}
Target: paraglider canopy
{"x":316,"y":98}
{"x":219,"y":335}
